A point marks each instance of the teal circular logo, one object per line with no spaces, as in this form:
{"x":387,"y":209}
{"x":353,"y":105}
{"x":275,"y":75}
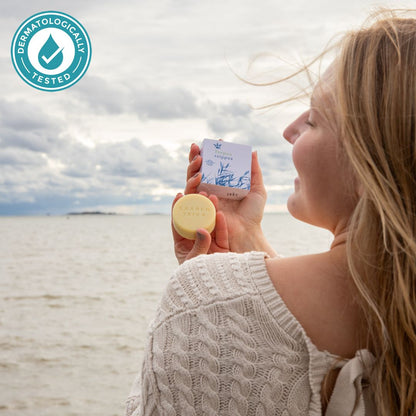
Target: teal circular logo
{"x":51,"y":51}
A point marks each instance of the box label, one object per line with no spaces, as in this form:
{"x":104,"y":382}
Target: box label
{"x":226,"y":169}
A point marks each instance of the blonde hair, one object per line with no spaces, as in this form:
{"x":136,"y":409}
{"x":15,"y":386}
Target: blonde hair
{"x":375,"y":102}
{"x":376,"y":98}
{"x":375,"y":95}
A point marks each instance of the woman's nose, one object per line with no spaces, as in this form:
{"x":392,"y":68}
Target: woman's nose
{"x":294,"y":129}
{"x":290,"y":133}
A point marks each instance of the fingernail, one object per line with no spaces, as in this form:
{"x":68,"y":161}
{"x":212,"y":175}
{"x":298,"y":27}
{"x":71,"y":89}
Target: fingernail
{"x":196,"y":175}
{"x":195,"y":157}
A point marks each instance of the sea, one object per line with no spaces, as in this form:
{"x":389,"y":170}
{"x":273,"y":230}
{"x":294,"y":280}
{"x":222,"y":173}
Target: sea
{"x":77,"y":293}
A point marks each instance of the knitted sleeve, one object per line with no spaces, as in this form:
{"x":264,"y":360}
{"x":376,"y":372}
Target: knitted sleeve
{"x":215,"y":347}
{"x":144,"y":396}
{"x":192,"y":285}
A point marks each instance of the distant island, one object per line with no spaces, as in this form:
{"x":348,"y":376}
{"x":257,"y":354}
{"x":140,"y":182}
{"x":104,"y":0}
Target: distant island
{"x":92,"y":213}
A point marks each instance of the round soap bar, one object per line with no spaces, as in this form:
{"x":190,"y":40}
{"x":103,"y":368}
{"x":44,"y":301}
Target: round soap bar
{"x":191,"y":212}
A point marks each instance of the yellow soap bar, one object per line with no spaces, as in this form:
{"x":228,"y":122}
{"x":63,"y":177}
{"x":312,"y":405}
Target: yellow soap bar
{"x":191,"y":212}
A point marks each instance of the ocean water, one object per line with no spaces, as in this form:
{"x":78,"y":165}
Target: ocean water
{"x":76,"y":296}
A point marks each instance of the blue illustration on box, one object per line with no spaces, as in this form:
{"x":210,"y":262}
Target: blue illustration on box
{"x":226,"y":177}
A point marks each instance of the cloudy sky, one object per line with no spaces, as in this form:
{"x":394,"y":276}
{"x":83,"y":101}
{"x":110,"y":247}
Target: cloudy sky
{"x":163,"y":74}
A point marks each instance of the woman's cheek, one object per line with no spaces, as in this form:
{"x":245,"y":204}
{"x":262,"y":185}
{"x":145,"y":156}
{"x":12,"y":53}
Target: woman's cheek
{"x":300,"y":155}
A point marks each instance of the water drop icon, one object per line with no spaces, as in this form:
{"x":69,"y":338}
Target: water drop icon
{"x":50,"y":55}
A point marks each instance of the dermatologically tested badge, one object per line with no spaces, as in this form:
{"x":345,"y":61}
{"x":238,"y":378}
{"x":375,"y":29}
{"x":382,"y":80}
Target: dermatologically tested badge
{"x":51,"y":51}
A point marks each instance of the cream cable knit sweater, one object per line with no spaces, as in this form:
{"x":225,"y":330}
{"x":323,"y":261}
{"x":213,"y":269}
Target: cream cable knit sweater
{"x":224,"y":343}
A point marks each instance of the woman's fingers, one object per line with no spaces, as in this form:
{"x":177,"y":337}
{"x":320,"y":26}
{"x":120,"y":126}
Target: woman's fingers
{"x":194,"y":166}
{"x":178,"y":195}
{"x":221,"y":231}
{"x":194,"y":161}
{"x":201,"y":245}
{"x":256,"y":175}
{"x":192,"y":174}
{"x":175,"y":234}
{"x":194,"y":151}
{"x":214,"y":199}
{"x":192,"y":184}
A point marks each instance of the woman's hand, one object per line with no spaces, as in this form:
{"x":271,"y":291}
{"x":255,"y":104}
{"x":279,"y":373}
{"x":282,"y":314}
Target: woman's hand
{"x":243,"y":217}
{"x":205,"y":243}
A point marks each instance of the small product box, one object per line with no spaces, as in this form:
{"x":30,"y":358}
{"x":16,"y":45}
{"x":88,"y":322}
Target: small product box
{"x":226,"y":169}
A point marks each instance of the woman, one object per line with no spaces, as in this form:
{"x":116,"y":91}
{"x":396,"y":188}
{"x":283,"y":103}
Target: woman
{"x":331,"y":333}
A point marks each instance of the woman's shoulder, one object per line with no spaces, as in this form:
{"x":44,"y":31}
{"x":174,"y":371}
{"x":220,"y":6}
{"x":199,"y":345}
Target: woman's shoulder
{"x":209,"y":279}
{"x":217,"y":275}
{"x":318,"y":291}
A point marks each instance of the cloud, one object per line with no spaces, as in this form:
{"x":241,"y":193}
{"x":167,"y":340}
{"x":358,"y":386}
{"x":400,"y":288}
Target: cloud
{"x":164,"y":103}
{"x":22,"y":116}
{"x":20,"y":157}
{"x":98,"y":95}
{"x":37,"y":140}
{"x":101,"y":96}
{"x":25,"y":126}
{"x":240,"y":121}
{"x":132,"y":159}
{"x":22,"y":10}
{"x":124,"y":173}
{"x":41,"y":162}
{"x":126,"y":160}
